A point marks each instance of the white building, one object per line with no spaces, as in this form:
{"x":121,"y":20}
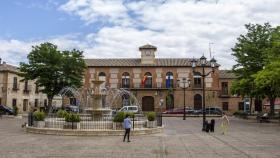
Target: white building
{"x":14,"y":92}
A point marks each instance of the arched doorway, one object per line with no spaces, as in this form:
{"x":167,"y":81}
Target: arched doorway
{"x":148,"y":103}
{"x":197,"y":102}
{"x":169,"y":102}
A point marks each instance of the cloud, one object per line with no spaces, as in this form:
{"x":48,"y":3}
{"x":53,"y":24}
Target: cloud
{"x":112,"y":11}
{"x":14,"y":51}
{"x":179,"y":28}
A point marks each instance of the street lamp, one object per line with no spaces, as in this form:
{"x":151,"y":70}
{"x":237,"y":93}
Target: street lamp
{"x":203,"y":64}
{"x":161,"y":105}
{"x":189,"y":83}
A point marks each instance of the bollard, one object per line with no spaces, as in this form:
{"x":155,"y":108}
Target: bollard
{"x":133,"y":121}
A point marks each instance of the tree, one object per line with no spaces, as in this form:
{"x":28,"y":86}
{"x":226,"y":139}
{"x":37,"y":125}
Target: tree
{"x":52,"y":69}
{"x":250,"y":53}
{"x":169,"y":97}
{"x":268,"y":81}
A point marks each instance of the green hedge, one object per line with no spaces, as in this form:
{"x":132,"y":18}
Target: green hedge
{"x":151,"y":116}
{"x":62,"y":113}
{"x":15,"y":109}
{"x":70,"y":117}
{"x":120,"y":116}
{"x":39,"y":115}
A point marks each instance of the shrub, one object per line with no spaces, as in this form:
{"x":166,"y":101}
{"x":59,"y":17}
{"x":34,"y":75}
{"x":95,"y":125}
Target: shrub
{"x":120,"y":116}
{"x":61,"y":113}
{"x":70,"y":117}
{"x":39,"y":115}
{"x":15,"y":109}
{"x":151,"y":116}
{"x":130,"y":114}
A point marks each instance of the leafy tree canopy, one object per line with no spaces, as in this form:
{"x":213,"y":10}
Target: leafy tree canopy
{"x":268,"y":81}
{"x":53,"y":69}
{"x":250,"y":49}
{"x":257,"y":54}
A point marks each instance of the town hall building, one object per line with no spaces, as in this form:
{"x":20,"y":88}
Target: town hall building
{"x":153,"y":79}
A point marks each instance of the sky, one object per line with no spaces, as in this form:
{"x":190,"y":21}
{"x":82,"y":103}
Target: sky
{"x":116,"y":28}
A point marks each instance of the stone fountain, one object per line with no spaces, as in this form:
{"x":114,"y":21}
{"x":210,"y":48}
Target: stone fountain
{"x":97,"y":109}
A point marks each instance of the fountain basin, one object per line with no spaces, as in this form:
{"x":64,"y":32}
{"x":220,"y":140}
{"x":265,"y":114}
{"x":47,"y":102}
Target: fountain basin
{"x":75,"y":132}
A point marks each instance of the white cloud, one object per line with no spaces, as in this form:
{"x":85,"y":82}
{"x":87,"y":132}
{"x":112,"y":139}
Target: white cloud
{"x":179,"y":28}
{"x":15,"y":51}
{"x":98,"y":10}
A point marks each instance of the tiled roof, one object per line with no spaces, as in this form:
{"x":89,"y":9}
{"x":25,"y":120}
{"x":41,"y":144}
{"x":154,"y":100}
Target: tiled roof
{"x":10,"y":68}
{"x":136,"y":62}
{"x":226,"y":74}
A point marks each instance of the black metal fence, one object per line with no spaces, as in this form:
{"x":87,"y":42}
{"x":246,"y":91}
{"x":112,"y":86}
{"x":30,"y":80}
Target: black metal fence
{"x":159,"y":119}
{"x":88,"y":122}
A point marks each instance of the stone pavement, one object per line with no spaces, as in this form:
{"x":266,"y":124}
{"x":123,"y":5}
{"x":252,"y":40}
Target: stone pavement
{"x":180,"y":139}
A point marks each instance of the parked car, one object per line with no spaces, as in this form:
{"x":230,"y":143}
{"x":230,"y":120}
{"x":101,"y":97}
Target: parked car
{"x":72,"y":108}
{"x":210,"y":110}
{"x":6,"y":110}
{"x":174,"y":111}
{"x":133,"y":109}
{"x":179,"y":111}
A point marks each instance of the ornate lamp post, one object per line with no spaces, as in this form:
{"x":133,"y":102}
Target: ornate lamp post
{"x":203,"y":64}
{"x":184,"y":83}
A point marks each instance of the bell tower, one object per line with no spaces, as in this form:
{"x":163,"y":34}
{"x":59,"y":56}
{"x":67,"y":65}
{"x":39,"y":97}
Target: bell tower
{"x":147,"y":54}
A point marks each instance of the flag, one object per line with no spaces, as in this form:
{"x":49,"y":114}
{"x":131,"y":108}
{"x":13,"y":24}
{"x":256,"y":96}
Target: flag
{"x":144,"y":79}
{"x":168,"y":82}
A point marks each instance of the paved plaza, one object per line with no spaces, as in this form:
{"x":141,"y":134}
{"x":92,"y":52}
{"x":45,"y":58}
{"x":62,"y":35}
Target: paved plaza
{"x":181,"y":139}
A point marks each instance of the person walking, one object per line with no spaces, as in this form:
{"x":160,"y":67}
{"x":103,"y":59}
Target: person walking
{"x":224,"y":124}
{"x":127,"y":126}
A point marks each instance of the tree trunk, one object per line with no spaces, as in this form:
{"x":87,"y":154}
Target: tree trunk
{"x":50,"y":98}
{"x":250,"y":106}
{"x":271,"y":100}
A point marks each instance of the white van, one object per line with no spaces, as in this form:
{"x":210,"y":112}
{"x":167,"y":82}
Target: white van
{"x":133,"y":109}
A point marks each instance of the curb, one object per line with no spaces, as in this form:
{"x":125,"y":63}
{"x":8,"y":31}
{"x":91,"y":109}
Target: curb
{"x":69,"y":132}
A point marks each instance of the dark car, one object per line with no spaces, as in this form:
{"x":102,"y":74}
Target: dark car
{"x":174,"y":111}
{"x":72,"y":108}
{"x":6,"y":110}
{"x":179,"y":111}
{"x":209,"y":111}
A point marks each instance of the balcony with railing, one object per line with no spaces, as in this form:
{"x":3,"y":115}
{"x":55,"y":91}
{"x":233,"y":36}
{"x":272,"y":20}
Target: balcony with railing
{"x":197,"y":86}
{"x":15,"y":87}
{"x":27,"y":89}
{"x":139,"y":86}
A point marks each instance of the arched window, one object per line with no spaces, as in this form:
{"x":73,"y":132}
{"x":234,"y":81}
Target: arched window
{"x":102,"y":77}
{"x":197,"y":80}
{"x":125,"y":80}
{"x":169,"y":80}
{"x":147,"y":80}
{"x":102,"y":74}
